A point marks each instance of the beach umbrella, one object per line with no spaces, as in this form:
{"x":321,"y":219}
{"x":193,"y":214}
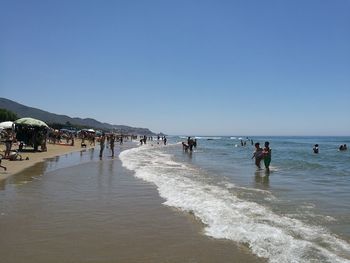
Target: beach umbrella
{"x":6,"y":125}
{"x":31,"y":122}
{"x":91,"y":130}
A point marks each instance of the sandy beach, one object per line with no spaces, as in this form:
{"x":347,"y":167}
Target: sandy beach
{"x":14,"y":167}
{"x":97,"y":211}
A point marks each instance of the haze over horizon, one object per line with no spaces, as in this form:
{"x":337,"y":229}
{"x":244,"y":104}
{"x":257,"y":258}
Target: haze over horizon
{"x":186,"y":67}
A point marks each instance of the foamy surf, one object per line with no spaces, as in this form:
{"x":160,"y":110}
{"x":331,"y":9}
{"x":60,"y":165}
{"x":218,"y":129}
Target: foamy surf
{"x":278,"y":238}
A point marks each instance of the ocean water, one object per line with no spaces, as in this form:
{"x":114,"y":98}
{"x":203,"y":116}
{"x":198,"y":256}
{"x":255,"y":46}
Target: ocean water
{"x":298,"y":212}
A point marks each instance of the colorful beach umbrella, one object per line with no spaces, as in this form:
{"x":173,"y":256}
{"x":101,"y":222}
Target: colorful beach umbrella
{"x":31,"y":122}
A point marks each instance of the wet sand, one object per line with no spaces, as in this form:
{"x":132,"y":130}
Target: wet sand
{"x":53,"y":150}
{"x":97,"y":211}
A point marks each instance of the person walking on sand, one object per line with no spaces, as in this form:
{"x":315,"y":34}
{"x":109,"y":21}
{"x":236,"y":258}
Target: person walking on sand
{"x":267,"y":156}
{"x":258,"y":155}
{"x":102,"y":144}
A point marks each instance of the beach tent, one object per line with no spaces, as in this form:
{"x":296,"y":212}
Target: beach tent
{"x":6,"y":125}
{"x":32,"y":132}
{"x":31,"y":122}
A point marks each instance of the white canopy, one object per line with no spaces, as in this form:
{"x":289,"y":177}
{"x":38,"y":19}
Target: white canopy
{"x":6,"y":125}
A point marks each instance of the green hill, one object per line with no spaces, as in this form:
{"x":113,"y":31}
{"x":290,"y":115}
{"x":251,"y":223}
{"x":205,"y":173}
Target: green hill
{"x":48,"y":117}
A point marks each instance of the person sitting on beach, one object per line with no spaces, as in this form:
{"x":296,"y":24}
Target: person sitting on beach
{"x":315,"y":149}
{"x":267,"y":155}
{"x":258,"y":155}
{"x":14,"y":156}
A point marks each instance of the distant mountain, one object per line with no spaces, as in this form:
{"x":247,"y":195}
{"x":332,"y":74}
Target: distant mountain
{"x":48,"y":117}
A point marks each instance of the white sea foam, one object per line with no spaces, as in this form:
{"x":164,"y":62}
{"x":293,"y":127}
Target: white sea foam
{"x":269,"y":235}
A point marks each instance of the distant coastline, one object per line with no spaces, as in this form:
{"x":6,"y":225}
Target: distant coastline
{"x":48,"y":117}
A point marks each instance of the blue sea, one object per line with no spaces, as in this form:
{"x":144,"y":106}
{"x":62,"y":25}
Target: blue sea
{"x":297,"y":212}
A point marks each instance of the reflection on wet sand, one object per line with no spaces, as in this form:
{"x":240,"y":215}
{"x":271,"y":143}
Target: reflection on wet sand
{"x":99,"y":212}
{"x":28,"y":175}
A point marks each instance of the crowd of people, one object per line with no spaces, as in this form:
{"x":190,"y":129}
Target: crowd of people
{"x":55,"y":137}
{"x":18,"y":139}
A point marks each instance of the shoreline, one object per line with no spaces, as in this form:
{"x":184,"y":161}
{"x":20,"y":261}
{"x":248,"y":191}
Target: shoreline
{"x":53,"y":150}
{"x":106,"y":214}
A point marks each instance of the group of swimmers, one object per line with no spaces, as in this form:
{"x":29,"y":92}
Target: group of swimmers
{"x":265,"y":154}
{"x":342,"y":147}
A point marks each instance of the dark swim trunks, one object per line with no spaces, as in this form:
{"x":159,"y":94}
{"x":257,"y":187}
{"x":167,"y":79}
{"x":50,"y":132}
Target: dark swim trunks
{"x":267,"y":161}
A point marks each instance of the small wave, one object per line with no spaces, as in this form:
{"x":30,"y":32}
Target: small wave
{"x":269,"y":235}
{"x":233,"y":186}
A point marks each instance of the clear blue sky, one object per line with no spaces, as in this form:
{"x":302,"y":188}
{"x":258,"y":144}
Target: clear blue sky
{"x":246,"y":67}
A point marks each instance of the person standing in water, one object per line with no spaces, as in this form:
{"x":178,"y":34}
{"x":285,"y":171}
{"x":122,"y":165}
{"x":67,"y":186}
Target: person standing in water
{"x":315,"y":149}
{"x":258,"y":155}
{"x":102,"y":144}
{"x":267,"y":156}
{"x":111,"y":143}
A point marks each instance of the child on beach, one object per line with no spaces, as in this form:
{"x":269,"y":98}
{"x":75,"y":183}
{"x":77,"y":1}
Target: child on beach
{"x":258,"y":155}
{"x":267,"y":155}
